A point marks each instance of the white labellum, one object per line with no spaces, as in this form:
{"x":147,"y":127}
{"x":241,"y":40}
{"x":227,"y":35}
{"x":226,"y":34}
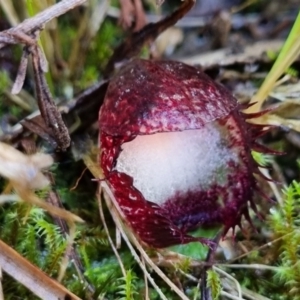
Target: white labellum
{"x":162,"y":164}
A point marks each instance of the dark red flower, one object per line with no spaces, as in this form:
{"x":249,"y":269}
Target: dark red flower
{"x":176,"y":151}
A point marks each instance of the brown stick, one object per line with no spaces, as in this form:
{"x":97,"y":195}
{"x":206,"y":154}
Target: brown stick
{"x":39,"y":20}
{"x":30,"y":276}
{"x":133,"y":44}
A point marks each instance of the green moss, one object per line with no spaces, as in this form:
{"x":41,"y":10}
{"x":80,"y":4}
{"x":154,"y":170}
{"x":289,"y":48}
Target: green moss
{"x":214,"y":283}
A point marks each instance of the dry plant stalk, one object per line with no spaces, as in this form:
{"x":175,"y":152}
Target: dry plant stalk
{"x":127,"y":235}
{"x":38,"y":21}
{"x":130,"y":239}
{"x":87,"y":30}
{"x":30,"y":276}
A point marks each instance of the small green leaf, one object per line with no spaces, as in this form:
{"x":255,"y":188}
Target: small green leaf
{"x":196,"y":250}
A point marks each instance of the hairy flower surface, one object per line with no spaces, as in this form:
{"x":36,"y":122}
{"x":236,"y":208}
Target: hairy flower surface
{"x":176,"y":152}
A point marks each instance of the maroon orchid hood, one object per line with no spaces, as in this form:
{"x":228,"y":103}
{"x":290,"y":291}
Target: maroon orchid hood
{"x":149,"y":97}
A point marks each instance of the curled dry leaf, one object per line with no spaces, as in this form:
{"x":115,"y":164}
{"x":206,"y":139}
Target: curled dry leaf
{"x":24,"y":172}
{"x":176,"y":152}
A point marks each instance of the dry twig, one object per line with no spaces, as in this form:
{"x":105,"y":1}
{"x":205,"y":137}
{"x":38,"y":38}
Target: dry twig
{"x":145,"y":36}
{"x":27,"y":34}
{"x":30,"y":276}
{"x":38,"y":21}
